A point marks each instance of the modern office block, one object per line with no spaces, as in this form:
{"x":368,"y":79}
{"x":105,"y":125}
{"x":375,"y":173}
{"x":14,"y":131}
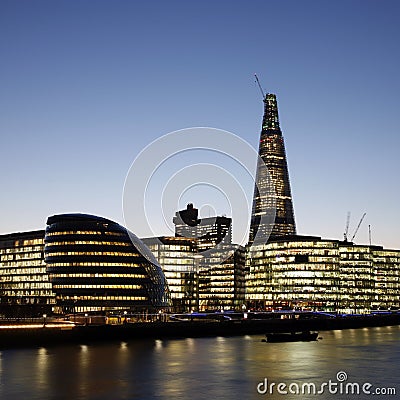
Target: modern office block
{"x":197,"y":282}
{"x":177,"y":257}
{"x":386,"y":274}
{"x":222,"y":283}
{"x":25,"y":288}
{"x":305,"y":272}
{"x":219,"y":264}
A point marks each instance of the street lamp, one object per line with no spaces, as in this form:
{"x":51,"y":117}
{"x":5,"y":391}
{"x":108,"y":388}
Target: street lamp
{"x":44,"y":320}
{"x":244,"y":311}
{"x":75,"y":301}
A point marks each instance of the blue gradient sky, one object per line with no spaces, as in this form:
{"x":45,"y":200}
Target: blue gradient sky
{"x":85,"y":85}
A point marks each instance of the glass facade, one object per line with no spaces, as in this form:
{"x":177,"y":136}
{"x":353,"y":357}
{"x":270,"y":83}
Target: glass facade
{"x":218,"y":279}
{"x":386,"y":276}
{"x":222,"y":284}
{"x":25,"y":288}
{"x":357,"y":281}
{"x":272,"y":153}
{"x":176,"y":257}
{"x":311,"y":273}
{"x":94,"y":264}
{"x":197,"y":282}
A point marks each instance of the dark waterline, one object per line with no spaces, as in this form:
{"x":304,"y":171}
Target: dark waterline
{"x":202,"y":368}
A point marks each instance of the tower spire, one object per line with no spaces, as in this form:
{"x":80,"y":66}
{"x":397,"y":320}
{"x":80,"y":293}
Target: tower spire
{"x":271,"y":116}
{"x":272,"y":152}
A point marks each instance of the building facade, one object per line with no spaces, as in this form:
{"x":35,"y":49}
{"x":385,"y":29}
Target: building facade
{"x":303,"y":272}
{"x":276,"y":176}
{"x":176,"y":255}
{"x":199,"y":282}
{"x":25,"y":288}
{"x":95,"y":264}
{"x":222,"y":280}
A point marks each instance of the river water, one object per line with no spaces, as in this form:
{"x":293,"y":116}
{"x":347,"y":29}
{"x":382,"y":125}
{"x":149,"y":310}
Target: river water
{"x":209,"y":368}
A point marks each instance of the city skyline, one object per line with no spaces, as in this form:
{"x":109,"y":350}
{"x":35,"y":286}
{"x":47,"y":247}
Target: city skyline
{"x":87,"y":88}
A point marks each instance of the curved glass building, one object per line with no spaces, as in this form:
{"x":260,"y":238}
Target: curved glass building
{"x":95,"y":264}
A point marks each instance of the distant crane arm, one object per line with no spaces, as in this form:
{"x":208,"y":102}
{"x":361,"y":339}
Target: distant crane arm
{"x":259,"y":85}
{"x":358,"y":226}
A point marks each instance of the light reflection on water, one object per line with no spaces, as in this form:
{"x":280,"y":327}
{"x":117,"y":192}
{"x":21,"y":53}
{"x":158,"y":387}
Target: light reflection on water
{"x":203,"y":368}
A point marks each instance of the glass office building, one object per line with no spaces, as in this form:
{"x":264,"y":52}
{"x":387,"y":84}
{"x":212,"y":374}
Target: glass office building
{"x":25,"y":288}
{"x":222,"y":279}
{"x":176,"y":255}
{"x":305,"y":272}
{"x":95,"y":264}
{"x":200,"y":282}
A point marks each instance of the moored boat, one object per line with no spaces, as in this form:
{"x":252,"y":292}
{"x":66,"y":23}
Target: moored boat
{"x":304,"y":336}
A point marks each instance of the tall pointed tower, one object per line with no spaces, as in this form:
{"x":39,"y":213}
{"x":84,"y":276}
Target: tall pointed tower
{"x":272,"y":152}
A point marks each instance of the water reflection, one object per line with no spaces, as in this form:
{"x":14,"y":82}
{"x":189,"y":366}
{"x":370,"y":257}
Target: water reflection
{"x":204,"y":368}
{"x":42,"y":365}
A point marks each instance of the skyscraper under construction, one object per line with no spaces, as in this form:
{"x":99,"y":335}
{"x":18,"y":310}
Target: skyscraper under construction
{"x":272,"y":153}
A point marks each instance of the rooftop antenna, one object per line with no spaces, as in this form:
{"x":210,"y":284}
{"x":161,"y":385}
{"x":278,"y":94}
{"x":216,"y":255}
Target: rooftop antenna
{"x":369,"y":234}
{"x":259,"y":85}
{"x":346,"y":231}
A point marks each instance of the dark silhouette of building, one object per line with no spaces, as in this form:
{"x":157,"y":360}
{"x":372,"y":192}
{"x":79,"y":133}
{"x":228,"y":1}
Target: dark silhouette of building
{"x":189,"y":216}
{"x":209,"y":231}
{"x":272,"y":153}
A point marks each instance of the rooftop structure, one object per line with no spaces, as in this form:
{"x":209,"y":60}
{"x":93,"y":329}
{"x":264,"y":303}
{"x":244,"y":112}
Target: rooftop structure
{"x":209,"y":232}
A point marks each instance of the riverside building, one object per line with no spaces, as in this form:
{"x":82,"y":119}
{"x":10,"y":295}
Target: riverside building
{"x":176,"y":255}
{"x":203,"y":269}
{"x":95,"y":264}
{"x":305,"y":272}
{"x":25,"y":288}
{"x":222,"y":279}
{"x":200,"y":282}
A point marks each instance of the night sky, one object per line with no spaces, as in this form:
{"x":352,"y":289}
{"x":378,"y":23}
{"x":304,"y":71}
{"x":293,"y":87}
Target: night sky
{"x":86,"y":85}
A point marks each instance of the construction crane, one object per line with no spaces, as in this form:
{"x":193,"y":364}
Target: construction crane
{"x":358,"y":226}
{"x":346,"y":231}
{"x":369,"y":235}
{"x":259,"y":85}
